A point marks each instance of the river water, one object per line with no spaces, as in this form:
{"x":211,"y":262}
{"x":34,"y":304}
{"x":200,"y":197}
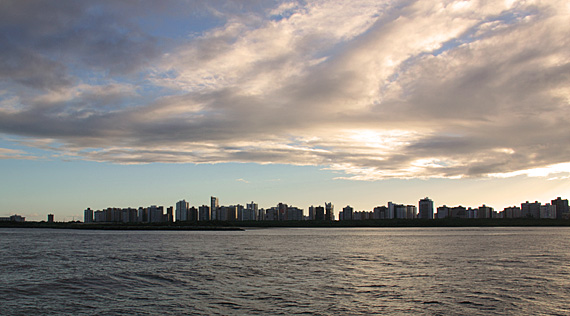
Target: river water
{"x":286,"y":271}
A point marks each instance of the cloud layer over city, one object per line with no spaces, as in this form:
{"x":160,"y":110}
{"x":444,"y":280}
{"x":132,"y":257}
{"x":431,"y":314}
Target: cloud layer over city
{"x":371,"y":89}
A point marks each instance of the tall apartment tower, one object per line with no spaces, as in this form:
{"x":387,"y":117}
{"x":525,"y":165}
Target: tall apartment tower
{"x":319,"y":213}
{"x":214,"y":207}
{"x":182,"y":210}
{"x":529,"y":209}
{"x":204,"y":213}
{"x":426,"y":209}
{"x":347,"y":213}
{"x":170,"y":214}
{"x":561,"y":207}
{"x":252,"y":211}
{"x":88,"y":215}
{"x":391,"y":211}
{"x":329,"y":212}
{"x":311,"y":213}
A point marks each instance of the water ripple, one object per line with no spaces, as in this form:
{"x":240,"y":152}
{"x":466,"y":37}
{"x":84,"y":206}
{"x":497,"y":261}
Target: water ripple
{"x":285,"y":272}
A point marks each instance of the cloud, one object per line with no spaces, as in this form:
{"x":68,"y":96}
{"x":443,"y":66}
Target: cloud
{"x":43,"y":44}
{"x":6,"y":153}
{"x":374,"y":90}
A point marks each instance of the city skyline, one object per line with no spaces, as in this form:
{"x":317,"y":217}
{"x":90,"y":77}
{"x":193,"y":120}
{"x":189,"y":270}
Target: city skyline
{"x":425,"y":208}
{"x":356,"y":103}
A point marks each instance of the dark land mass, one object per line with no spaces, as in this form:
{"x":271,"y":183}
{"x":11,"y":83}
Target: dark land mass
{"x":241,"y":225}
{"x":119,"y":226}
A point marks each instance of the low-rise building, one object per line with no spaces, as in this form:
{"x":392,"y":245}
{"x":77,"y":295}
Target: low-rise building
{"x":13,"y":218}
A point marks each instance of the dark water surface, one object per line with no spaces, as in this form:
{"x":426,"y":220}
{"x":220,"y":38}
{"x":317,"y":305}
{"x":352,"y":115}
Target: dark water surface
{"x":387,"y":271}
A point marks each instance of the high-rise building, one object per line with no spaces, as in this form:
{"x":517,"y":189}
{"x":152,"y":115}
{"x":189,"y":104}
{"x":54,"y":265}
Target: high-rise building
{"x":228,"y":213}
{"x":459,"y":212}
{"x":329,"y":211}
{"x":396,"y":211}
{"x":170,"y":214}
{"x":425,"y":209}
{"x":272,"y":214}
{"x":380,"y":212}
{"x":125,"y":215}
{"x":50,"y":218}
{"x":548,"y":211}
{"x":530,"y":209}
{"x":252,"y":212}
{"x":156,"y":214}
{"x":443,"y":212}
{"x":400,"y":211}
{"x":214,"y":208}
{"x":129,"y":215}
{"x":391,"y":211}
{"x":485,"y":212}
{"x":193,"y":214}
{"x":561,"y":207}
{"x":347,"y":213}
{"x":99,"y":216}
{"x":240,"y":212}
{"x":294,"y":214}
{"x":472,"y":212}
{"x":182,"y":210}
{"x":512,"y":212}
{"x":88,"y":215}
{"x":319,"y":213}
{"x":143,"y":215}
{"x":204,"y":213}
{"x":281,"y":212}
{"x":411,"y":212}
{"x":311,"y":212}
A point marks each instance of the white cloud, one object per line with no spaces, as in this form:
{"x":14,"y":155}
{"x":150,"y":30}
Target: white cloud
{"x":561,"y":168}
{"x":372,"y":89}
{"x":7,"y":153}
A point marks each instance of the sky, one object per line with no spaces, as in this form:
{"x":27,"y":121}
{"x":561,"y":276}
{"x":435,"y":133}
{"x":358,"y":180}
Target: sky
{"x":138,"y":103}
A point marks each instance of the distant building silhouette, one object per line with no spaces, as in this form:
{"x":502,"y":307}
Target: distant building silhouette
{"x":294,"y":213}
{"x":13,"y":218}
{"x":193,"y":214}
{"x":170,"y":214}
{"x":214,"y":206}
{"x":319,"y":213}
{"x":347,"y":212}
{"x":530,"y":209}
{"x":425,"y":209}
{"x":329,"y":211}
{"x":452,"y":212}
{"x":281,"y":212}
{"x":182,"y":211}
{"x":204,"y":213}
{"x":380,"y":212}
{"x":142,"y":215}
{"x":311,"y":213}
{"x":485,"y":212}
{"x":511,"y":212}
{"x":156,"y":214}
{"x":88,"y":215}
{"x":561,"y":207}
{"x":558,"y":209}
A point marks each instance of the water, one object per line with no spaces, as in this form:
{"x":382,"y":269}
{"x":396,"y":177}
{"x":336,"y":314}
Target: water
{"x":425,"y":271}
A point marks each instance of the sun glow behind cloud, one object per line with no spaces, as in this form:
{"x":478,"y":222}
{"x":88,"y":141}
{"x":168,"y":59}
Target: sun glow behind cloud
{"x":371,"y":89}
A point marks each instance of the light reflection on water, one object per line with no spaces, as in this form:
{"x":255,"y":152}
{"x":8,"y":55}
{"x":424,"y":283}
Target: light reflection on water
{"x":431,"y":271}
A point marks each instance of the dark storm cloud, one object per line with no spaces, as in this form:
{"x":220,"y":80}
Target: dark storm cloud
{"x":45,"y":43}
